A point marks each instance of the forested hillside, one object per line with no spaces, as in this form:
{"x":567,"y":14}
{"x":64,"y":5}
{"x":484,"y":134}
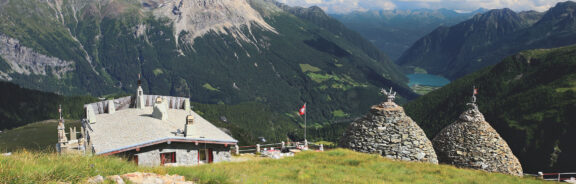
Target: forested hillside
{"x":529,"y":98}
{"x":20,"y":106}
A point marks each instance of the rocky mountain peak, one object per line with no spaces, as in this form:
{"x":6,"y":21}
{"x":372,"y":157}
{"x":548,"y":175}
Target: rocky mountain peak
{"x":499,"y":19}
{"x":199,"y":17}
{"x":562,"y":11}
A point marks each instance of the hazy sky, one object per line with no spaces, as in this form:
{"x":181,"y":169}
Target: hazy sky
{"x":340,"y":6}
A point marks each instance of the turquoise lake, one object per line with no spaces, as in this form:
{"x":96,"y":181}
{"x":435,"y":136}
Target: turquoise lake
{"x":427,"y":80}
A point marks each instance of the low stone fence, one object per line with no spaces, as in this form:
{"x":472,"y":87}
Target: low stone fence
{"x":259,"y":148}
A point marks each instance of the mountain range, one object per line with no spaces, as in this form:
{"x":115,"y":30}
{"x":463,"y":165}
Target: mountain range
{"x":487,"y":38}
{"x":216,"y":52}
{"x":394,"y":31}
{"x":529,"y":98}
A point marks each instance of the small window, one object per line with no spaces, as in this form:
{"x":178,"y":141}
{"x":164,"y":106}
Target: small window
{"x":167,"y":158}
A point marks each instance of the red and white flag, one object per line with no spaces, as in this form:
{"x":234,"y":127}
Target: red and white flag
{"x":302,"y":110}
{"x":475,"y":91}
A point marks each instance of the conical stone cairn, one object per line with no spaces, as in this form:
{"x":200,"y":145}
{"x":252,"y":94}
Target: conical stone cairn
{"x":471,"y":142}
{"x":387,"y":130}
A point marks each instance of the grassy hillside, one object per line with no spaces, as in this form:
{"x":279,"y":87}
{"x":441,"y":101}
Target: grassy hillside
{"x":335,"y":166}
{"x":529,"y":98}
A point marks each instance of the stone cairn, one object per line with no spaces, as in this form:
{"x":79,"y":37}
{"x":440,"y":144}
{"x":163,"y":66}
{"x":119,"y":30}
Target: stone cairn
{"x":387,"y":130}
{"x":471,"y":142}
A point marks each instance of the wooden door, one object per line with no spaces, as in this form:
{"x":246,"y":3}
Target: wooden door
{"x":210,"y":156}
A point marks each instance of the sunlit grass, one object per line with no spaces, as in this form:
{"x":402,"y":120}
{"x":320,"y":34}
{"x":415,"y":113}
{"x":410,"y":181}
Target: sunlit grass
{"x":309,"y":68}
{"x":340,"y":166}
{"x":335,"y":166}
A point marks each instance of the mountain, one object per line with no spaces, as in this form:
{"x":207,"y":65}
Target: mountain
{"x":487,"y":38}
{"x":529,"y":98}
{"x":215,"y":51}
{"x":394,"y":31}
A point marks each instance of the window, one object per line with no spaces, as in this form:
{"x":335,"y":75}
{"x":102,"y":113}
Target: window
{"x":166,"y":158}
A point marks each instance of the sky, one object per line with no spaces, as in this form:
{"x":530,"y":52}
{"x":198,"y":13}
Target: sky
{"x":345,"y":6}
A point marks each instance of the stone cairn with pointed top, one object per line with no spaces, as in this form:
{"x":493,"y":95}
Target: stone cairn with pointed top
{"x":471,"y":142}
{"x":387,"y":130}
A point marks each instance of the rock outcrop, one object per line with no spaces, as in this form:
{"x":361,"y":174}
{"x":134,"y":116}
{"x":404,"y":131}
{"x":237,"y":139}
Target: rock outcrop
{"x":471,"y":142}
{"x":202,"y":16}
{"x":24,"y":60}
{"x":387,"y":130}
{"x":138,"y":177}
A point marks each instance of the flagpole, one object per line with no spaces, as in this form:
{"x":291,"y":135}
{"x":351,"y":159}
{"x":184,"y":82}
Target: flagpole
{"x":305,"y":112}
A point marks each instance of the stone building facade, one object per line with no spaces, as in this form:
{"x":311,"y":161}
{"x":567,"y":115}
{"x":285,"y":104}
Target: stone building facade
{"x":184,"y":154}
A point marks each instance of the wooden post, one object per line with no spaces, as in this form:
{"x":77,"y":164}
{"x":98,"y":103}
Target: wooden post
{"x":257,"y":148}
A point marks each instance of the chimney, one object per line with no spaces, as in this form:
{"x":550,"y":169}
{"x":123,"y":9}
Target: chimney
{"x":187,"y":104}
{"x":90,"y":115}
{"x":188,"y":128}
{"x":160,"y":109}
{"x":111,"y":107}
{"x":140,"y":95}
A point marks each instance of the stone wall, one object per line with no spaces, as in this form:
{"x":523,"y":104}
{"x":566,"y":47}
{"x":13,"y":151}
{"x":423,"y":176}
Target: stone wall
{"x":186,"y":153}
{"x":387,"y":130}
{"x":471,"y":142}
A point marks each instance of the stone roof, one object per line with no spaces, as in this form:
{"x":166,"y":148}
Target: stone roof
{"x":388,"y":131}
{"x":471,"y":142}
{"x":133,"y":127}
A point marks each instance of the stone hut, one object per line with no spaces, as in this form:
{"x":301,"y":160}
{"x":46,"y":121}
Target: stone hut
{"x":387,"y":130}
{"x":471,"y":142}
{"x":152,"y":130}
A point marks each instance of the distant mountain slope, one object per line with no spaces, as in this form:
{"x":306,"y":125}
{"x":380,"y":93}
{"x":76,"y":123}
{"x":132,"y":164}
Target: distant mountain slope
{"x":486,"y":39}
{"x":394,"y":31}
{"x":20,"y":106}
{"x":213,"y":51}
{"x":529,"y":98}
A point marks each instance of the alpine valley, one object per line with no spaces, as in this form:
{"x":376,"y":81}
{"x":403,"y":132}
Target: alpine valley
{"x":394,"y":31}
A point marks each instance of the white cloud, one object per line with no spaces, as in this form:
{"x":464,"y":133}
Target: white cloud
{"x":342,"y":6}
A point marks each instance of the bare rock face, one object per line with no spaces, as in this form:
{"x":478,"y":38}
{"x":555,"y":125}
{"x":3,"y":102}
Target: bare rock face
{"x":388,"y":131}
{"x":24,"y":60}
{"x":199,"y":17}
{"x":471,"y":142}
